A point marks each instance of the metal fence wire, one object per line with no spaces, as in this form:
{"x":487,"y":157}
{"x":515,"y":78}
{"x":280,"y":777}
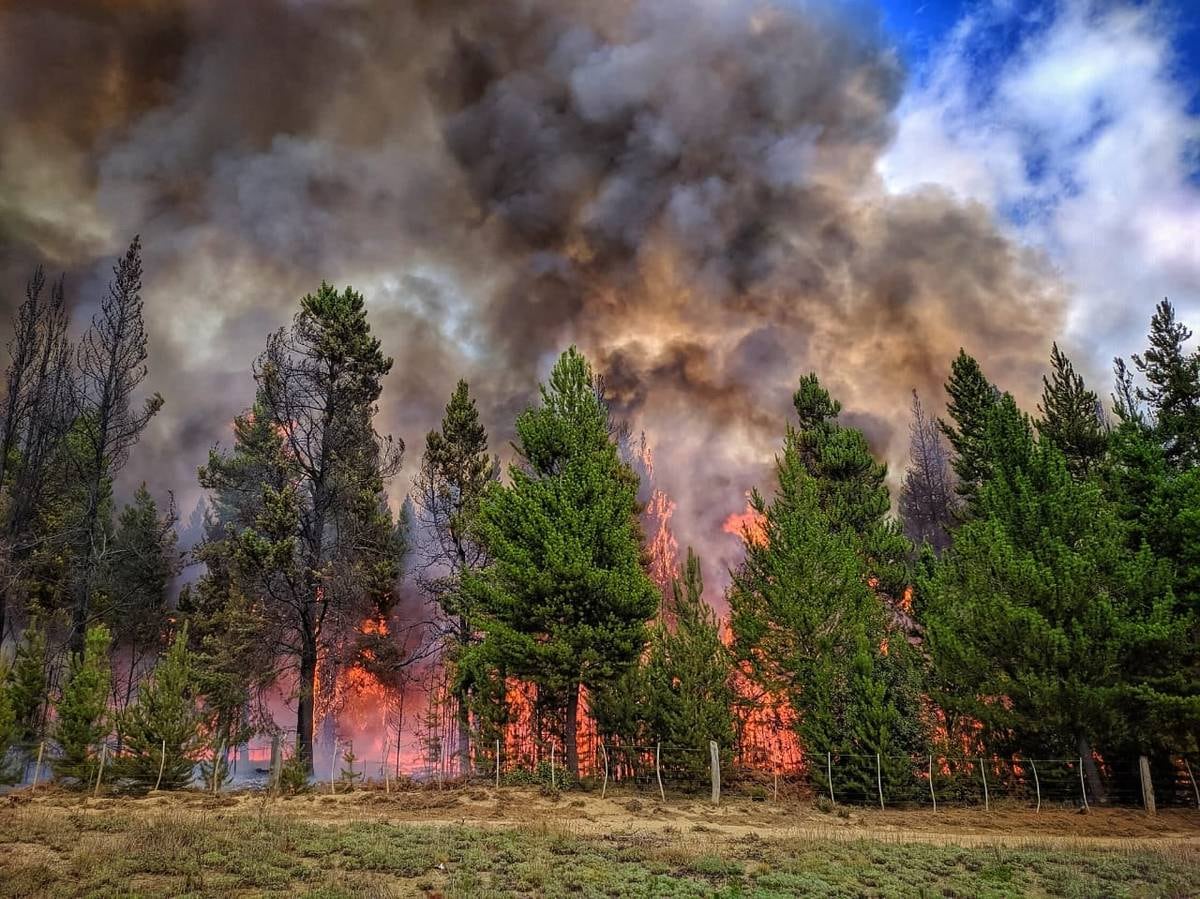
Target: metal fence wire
{"x":656,"y":770}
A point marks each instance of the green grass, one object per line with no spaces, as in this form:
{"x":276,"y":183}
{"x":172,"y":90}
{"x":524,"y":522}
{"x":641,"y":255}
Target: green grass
{"x":59,"y":852}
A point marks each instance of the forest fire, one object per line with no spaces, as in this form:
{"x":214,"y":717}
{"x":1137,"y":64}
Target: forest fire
{"x":749,"y":526}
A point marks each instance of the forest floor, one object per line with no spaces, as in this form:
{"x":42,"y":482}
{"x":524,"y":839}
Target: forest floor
{"x":522,"y":841}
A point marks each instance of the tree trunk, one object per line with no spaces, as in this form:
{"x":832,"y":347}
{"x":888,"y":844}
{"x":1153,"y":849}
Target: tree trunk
{"x":306,"y":704}
{"x":1090,"y":771}
{"x":569,"y":728}
{"x":464,"y":735}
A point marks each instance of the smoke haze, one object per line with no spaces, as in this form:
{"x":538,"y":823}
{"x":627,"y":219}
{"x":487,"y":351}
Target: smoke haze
{"x":685,"y":188}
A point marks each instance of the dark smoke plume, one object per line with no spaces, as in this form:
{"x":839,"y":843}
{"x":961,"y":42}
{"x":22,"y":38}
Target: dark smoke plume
{"x":685,"y":188}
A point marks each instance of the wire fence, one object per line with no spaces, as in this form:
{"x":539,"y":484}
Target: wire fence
{"x":658,"y":771}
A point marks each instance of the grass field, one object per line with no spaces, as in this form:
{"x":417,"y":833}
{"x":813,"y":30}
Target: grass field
{"x":484,"y":843}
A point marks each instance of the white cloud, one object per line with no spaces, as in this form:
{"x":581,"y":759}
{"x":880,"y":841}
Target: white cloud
{"x":1080,"y":140}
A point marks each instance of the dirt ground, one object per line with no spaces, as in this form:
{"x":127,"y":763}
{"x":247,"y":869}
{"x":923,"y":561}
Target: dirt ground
{"x":587,"y":814}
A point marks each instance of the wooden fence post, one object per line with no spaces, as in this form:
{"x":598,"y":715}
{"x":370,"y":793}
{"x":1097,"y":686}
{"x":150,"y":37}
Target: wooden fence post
{"x":1037,"y":785}
{"x":553,"y":783}
{"x":497,"y":764}
{"x":714,"y":754}
{"x":332,"y":770}
{"x":829,"y":774}
{"x":162,"y":763}
{"x":987,"y":805}
{"x":1082,"y":788}
{"x":604,"y":788}
{"x":662,"y":797}
{"x":218,"y":760}
{"x":879,"y":778}
{"x":275,"y":778}
{"x":100,"y":771}
{"x":932,"y":794}
{"x":1186,"y":764}
{"x":776,"y":799}
{"x":37,"y":769}
{"x":1147,"y":785}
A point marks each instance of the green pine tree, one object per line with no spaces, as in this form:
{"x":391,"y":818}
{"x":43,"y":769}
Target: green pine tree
{"x":689,"y":676}
{"x":82,"y":722}
{"x":565,"y":599}
{"x":455,"y":471}
{"x":162,"y":729}
{"x":1043,"y":623}
{"x":1173,"y":387}
{"x":1072,"y":417}
{"x":971,"y":398}
{"x":27,"y":683}
{"x":9,"y":731}
{"x":804,"y":603}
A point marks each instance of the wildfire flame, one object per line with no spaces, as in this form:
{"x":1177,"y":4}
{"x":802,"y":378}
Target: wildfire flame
{"x":750,"y":526}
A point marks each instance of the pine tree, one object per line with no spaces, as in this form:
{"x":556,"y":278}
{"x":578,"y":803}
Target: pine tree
{"x":455,"y":470}
{"x":803,"y":604}
{"x":1072,"y":417}
{"x":140,"y":567}
{"x":27,"y":683}
{"x":112,"y":365}
{"x":1043,"y":621}
{"x":82,"y":722}
{"x":971,"y":399}
{"x":1173,"y":387}
{"x":928,"y":504}
{"x":565,"y":599}
{"x":9,"y":730}
{"x":689,"y":697}
{"x":162,"y":729}
{"x":311,"y":538}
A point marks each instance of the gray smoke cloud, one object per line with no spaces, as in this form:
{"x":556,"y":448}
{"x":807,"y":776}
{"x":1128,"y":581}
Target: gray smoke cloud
{"x":685,"y":188}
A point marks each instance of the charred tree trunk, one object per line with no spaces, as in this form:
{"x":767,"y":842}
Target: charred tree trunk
{"x":569,"y":730}
{"x":1090,"y":771}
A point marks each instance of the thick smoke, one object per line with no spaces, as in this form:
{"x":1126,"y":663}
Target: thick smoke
{"x":685,"y":188}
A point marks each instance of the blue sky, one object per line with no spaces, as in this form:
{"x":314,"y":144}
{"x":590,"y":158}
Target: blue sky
{"x":1077,"y":122}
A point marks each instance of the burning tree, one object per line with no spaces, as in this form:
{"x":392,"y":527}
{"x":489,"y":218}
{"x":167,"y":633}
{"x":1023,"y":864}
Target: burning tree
{"x":313,"y":541}
{"x":565,"y":599}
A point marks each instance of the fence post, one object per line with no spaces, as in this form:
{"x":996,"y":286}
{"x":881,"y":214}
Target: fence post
{"x":987,"y":805}
{"x":218,"y":760}
{"x":332,"y":769}
{"x":1082,"y":788}
{"x":1037,"y":785}
{"x":714,"y":754}
{"x":776,"y":800}
{"x":1147,"y":785}
{"x":1186,"y":764}
{"x":553,"y":783}
{"x":276,"y":775}
{"x":932,"y":794}
{"x":100,"y":771}
{"x":162,"y":763}
{"x":37,"y":769}
{"x":604,"y":788}
{"x":658,"y":770}
{"x":497,"y":764}
{"x":879,"y":778}
{"x":829,"y":773}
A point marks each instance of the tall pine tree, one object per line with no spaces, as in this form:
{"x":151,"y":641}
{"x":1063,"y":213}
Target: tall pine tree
{"x":565,"y":599}
{"x":971,"y":398}
{"x":1072,"y":417}
{"x":455,"y":471}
